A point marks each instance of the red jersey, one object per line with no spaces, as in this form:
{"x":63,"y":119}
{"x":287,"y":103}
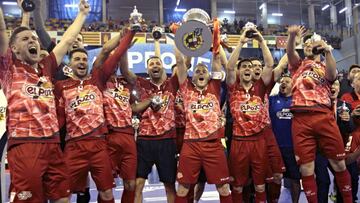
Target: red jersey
{"x":202,"y":110}
{"x":311,"y":89}
{"x":248,"y":109}
{"x":353,"y":142}
{"x":117,"y":108}
{"x":31,"y":103}
{"x":353,"y":99}
{"x":179,"y":111}
{"x":158,"y":124}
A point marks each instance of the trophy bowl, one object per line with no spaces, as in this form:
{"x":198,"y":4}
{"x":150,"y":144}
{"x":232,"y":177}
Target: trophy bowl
{"x":196,"y":14}
{"x":194,"y":38}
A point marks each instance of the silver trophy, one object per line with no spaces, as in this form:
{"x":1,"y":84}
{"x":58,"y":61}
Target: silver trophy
{"x":135,"y":19}
{"x":194,"y":37}
{"x":157,"y":100}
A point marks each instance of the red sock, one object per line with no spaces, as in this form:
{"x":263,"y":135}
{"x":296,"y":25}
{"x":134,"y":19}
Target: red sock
{"x":236,"y":197}
{"x":310,"y":188}
{"x":344,"y":184}
{"x":273,"y":192}
{"x":226,"y":199}
{"x":260,"y":197}
{"x":179,"y":199}
{"x":105,"y":201}
{"x":190,"y":194}
{"x":128,"y":196}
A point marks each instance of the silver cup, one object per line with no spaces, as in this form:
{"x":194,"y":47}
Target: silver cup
{"x":135,"y":18}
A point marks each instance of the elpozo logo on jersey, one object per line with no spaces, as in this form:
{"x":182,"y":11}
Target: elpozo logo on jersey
{"x":251,"y":107}
{"x":122,"y":97}
{"x":284,"y":114}
{"x":202,"y":106}
{"x":84,"y":99}
{"x":44,"y":91}
{"x":316,"y":73}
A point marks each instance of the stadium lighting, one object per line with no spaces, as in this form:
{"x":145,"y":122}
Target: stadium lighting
{"x":262,"y":6}
{"x":178,"y":2}
{"x":342,"y":10}
{"x":9,"y":3}
{"x":180,"y":9}
{"x":277,"y":14}
{"x":71,"y":5}
{"x":229,"y":12}
{"x":325,"y":7}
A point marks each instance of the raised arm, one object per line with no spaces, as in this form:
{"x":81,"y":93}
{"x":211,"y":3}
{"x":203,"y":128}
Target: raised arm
{"x":157,"y":48}
{"x":268,"y":59}
{"x":181,"y":66}
{"x":44,"y":36}
{"x":72,"y":32}
{"x":25,"y":19}
{"x":279,"y":69}
{"x":4,"y":40}
{"x":108,"y":47}
{"x":293,"y":56}
{"x":231,"y":65}
{"x":331,"y":72}
{"x":110,"y":64}
{"x":124,"y":69}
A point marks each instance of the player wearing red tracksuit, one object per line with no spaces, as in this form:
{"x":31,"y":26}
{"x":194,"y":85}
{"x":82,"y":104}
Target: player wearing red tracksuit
{"x":121,"y":141}
{"x":81,"y":109}
{"x":250,"y":114}
{"x":314,"y":124}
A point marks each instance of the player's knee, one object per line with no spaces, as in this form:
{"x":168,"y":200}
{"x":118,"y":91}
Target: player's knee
{"x":277,"y":178}
{"x":260,"y":188}
{"x":237,"y":189}
{"x":224,"y":189}
{"x":106,"y":195}
{"x":140,"y":182}
{"x":129,"y":185}
{"x":307,"y":169}
{"x":182,"y":190}
{"x":337,"y":165}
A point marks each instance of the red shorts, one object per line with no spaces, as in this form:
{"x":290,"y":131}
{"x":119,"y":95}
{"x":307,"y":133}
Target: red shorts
{"x":38,"y":172}
{"x":179,"y":138}
{"x":122,"y":151}
{"x":88,"y":155}
{"x":275,"y":159}
{"x":246,"y":155}
{"x":208,"y":155}
{"x":312,"y":129}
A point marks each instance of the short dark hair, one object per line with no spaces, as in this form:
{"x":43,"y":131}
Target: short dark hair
{"x":77,"y":50}
{"x":242,"y":61}
{"x":16,"y":32}
{"x":307,"y":37}
{"x":256,"y":59}
{"x":354,"y":66}
{"x":152,"y":57}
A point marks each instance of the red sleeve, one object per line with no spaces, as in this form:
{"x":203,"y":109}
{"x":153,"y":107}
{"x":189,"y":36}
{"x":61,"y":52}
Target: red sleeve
{"x":347,"y":98}
{"x":183,"y":87}
{"x":60,"y":104}
{"x":107,"y":69}
{"x":175,"y":82}
{"x":50,"y":65}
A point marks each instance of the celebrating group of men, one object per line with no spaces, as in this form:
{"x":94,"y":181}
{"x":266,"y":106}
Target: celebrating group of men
{"x":92,"y":115}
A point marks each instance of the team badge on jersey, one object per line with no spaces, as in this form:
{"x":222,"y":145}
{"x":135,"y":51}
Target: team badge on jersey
{"x":122,"y":97}
{"x":284,"y":114}
{"x":202,"y":106}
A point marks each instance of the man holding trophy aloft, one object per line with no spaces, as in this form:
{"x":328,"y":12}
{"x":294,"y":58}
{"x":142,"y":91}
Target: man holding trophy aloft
{"x":202,"y":147}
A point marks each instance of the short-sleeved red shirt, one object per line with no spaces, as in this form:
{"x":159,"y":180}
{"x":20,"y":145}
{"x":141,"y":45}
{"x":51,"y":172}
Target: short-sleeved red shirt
{"x":31,"y":101}
{"x":248,"y":109}
{"x":159,"y":124}
{"x":81,"y":106}
{"x":202,"y":110}
{"x":311,"y":89}
{"x":117,"y":106}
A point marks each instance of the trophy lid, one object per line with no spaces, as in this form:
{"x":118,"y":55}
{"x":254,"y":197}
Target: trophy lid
{"x":197,"y":14}
{"x":135,"y":13}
